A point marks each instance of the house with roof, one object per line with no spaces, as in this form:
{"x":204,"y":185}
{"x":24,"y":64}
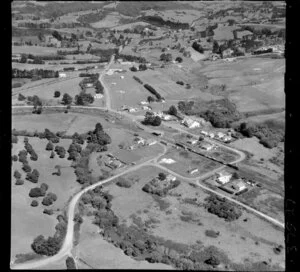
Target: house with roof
{"x":170,"y":178}
{"x":220,"y":135}
{"x":192,"y":141}
{"x":190,"y":123}
{"x":205,"y":133}
{"x":193,"y":171}
{"x":211,"y":135}
{"x":227,"y":138}
{"x":150,"y":142}
{"x":167,"y":161}
{"x":239,"y":185}
{"x":227,"y":53}
{"x":139,"y":140}
{"x":206,"y":146}
{"x":223,"y":177}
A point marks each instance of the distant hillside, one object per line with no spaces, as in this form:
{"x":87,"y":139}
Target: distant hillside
{"x":55,"y":9}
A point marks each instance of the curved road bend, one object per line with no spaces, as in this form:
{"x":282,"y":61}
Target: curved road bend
{"x":68,"y":242}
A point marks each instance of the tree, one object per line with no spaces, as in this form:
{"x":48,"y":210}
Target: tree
{"x":23,"y":59}
{"x":21,"y":97}
{"x":235,"y":175}
{"x":67,"y":99}
{"x":165,"y":57}
{"x":133,"y":69}
{"x":48,"y":211}
{"x":19,"y":182}
{"x":213,"y":260}
{"x":178,"y":59}
{"x":142,"y":67}
{"x":26,"y":168}
{"x":17,"y":174}
{"x":36,"y":192}
{"x":57,"y":94}
{"x":172,"y":110}
{"x":84,"y":98}
{"x":162,"y":176}
{"x":14,"y":139}
{"x":52,"y":155}
{"x":14,"y":158}
{"x":56,"y":35}
{"x":34,"y":203}
{"x":44,"y":187}
{"x":49,"y":146}
{"x":198,"y":47}
{"x":150,"y":99}
{"x":216,"y":49}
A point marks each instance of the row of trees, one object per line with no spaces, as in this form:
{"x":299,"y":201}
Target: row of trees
{"x":153,"y":91}
{"x":41,"y":73}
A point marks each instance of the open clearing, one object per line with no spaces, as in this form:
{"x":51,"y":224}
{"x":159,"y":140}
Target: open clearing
{"x":92,"y":246}
{"x":250,"y":89}
{"x":253,"y":240}
{"x":186,"y":161}
{"x":23,"y":215}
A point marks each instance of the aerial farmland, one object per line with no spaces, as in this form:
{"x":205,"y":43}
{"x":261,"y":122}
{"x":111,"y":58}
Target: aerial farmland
{"x":148,"y":135}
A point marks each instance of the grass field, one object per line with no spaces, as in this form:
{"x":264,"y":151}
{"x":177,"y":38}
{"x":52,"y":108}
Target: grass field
{"x":253,"y":240}
{"x":253,"y":84}
{"x":186,"y":161}
{"x":23,"y":215}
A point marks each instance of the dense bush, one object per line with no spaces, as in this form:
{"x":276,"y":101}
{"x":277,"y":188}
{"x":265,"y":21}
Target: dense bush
{"x":131,"y":58}
{"x":67,"y":99}
{"x":44,"y":187}
{"x":21,"y":97}
{"x":123,"y":183}
{"x":70,"y":263}
{"x":198,"y":47}
{"x":47,"y":247}
{"x":268,"y":134}
{"x":23,"y":156}
{"x":26,"y":168}
{"x":49,"y":199}
{"x":152,"y":120}
{"x":48,"y":211}
{"x":178,"y":59}
{"x":165,"y":57}
{"x":36,"y":192}
{"x":16,"y":73}
{"x":60,"y":151}
{"x":222,"y":208}
{"x":33,"y":176}
{"x":212,"y":233}
{"x":159,"y":188}
{"x":159,"y":21}
{"x":14,"y":158}
{"x":133,"y":69}
{"x":52,"y":155}
{"x":84,"y":99}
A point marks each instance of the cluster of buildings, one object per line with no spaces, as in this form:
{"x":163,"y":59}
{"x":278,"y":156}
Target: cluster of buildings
{"x":224,"y":177}
{"x":139,"y":141}
{"x":226,"y":138}
{"x":111,"y":161}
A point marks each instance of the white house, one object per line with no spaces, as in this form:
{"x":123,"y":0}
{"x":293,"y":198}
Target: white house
{"x":144,"y":103}
{"x":170,"y":178}
{"x":193,"y":171}
{"x":192,"y":141}
{"x":113,"y":83}
{"x":239,"y":186}
{"x":146,"y":108}
{"x":121,"y":77}
{"x":190,"y":123}
{"x":205,"y":133}
{"x":220,"y":135}
{"x":211,"y":135}
{"x":224,"y":177}
{"x":227,"y":138}
{"x":62,"y":75}
{"x":98,"y":96}
{"x":139,"y":140}
{"x":206,"y":146}
{"x":151,"y":142}
{"x":132,"y":109}
{"x":89,"y":85}
{"x":167,"y":161}
{"x":167,"y":117}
